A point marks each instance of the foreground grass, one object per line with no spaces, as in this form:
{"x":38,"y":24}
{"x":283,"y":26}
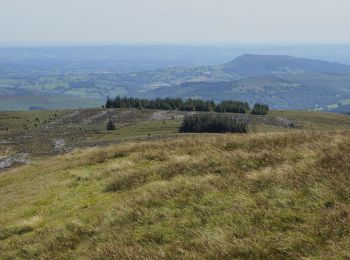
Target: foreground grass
{"x":277,"y":195}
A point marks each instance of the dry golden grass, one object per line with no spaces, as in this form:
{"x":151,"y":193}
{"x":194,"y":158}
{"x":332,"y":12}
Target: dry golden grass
{"x":273,"y":196}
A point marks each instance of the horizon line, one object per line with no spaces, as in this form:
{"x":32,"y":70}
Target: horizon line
{"x":155,"y":44}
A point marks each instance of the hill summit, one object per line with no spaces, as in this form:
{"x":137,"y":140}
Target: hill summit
{"x":249,"y":65}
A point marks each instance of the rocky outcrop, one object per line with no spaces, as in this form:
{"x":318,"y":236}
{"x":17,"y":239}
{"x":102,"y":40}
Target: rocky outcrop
{"x":10,"y":161}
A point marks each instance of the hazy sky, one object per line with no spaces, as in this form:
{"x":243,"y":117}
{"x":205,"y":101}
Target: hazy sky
{"x":174,"y":21}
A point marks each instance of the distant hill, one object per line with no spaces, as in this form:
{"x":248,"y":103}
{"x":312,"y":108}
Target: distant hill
{"x":284,"y":82}
{"x":257,"y":65}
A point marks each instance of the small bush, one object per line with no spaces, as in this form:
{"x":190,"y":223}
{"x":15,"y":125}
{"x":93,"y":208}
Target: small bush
{"x":212,"y":123}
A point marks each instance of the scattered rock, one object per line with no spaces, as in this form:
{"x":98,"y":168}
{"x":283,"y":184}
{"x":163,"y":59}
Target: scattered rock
{"x":285,"y":122}
{"x":58,"y":146}
{"x":165,"y":115}
{"x":8,"y":162}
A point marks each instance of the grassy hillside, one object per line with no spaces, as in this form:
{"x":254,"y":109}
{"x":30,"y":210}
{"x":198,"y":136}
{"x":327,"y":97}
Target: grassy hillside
{"x":314,"y":119}
{"x":35,"y":132}
{"x":263,"y":195}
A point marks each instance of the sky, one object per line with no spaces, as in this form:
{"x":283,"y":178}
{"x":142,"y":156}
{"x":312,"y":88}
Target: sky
{"x":174,"y":21}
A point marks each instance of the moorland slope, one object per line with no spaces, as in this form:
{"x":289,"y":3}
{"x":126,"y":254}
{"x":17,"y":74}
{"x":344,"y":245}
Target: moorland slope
{"x":253,"y":196}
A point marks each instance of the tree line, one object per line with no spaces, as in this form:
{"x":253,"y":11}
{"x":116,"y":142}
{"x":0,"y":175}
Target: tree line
{"x":230,"y":106}
{"x":212,"y":123}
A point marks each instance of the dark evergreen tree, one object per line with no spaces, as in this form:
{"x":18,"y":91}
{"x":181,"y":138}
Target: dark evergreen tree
{"x":260,"y":109}
{"x":233,"y":107}
{"x":109,"y":103}
{"x":212,"y":123}
{"x":229,"y":106}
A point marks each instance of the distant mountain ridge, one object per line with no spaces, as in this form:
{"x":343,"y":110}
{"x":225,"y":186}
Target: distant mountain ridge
{"x":249,"y":65}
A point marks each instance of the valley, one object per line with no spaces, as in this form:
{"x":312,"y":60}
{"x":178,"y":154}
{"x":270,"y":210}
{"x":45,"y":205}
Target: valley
{"x":284,"y":82}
